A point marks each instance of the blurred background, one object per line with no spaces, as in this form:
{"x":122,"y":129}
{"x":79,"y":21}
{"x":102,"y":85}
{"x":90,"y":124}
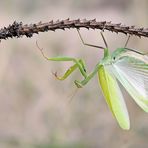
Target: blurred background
{"x":35,"y":111}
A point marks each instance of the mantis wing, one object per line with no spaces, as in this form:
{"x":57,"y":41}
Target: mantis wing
{"x":133,"y":75}
{"x":114,"y":96}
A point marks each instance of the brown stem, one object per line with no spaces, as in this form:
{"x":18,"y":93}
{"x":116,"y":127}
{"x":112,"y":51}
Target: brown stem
{"x":18,"y":29}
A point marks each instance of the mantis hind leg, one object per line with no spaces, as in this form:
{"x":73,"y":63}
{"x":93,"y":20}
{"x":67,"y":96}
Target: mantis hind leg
{"x":127,"y":41}
{"x":106,"y":52}
{"x":87,"y":44}
{"x":134,"y":50}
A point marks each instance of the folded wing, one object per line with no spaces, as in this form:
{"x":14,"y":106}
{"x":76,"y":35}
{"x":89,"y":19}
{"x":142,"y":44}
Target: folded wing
{"x":132,"y":72}
{"x":113,"y":96}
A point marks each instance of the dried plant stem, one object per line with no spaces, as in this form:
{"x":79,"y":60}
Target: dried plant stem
{"x":18,"y":29}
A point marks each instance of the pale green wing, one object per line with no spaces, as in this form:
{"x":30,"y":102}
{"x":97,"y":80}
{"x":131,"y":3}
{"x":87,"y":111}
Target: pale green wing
{"x":114,"y":96}
{"x":133,"y":75}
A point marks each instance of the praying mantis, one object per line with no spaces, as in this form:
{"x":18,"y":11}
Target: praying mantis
{"x":128,"y":66}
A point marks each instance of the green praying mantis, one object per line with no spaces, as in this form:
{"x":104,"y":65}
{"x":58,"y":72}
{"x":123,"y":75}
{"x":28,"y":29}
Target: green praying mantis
{"x":128,"y":66}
